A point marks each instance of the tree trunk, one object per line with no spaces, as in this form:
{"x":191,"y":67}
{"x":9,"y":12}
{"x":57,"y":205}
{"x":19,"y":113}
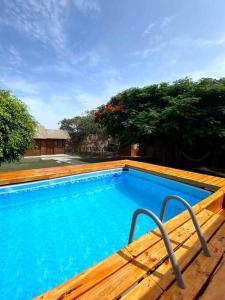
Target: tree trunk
{"x":164,"y":148}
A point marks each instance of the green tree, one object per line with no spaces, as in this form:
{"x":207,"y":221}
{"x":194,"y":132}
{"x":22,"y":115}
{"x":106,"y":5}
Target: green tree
{"x":184,"y":117}
{"x":80,"y":127}
{"x":17,"y":127}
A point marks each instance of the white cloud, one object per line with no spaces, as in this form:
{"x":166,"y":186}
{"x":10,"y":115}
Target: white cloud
{"x":209,"y":42}
{"x":18,"y":84}
{"x":216,"y":69}
{"x":148,"y":29}
{"x":10,"y":55}
{"x":166,"y":22}
{"x":145,"y":53}
{"x":15,"y":56}
{"x":158,"y":40}
{"x":177,"y":46}
{"x":162,"y":26}
{"x":87,"y":100}
{"x":188,"y":42}
{"x":49,"y":107}
{"x":221,"y":41}
{"x":43,"y":20}
{"x":50,"y":111}
{"x":87,"y":6}
{"x":54,"y":108}
{"x":93,"y":58}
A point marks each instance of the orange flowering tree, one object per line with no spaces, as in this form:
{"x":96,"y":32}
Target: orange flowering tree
{"x":124,"y":116}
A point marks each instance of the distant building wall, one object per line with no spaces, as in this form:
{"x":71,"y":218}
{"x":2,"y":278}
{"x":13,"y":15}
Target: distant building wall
{"x":48,"y":141}
{"x":47,"y":147}
{"x":97,"y":145}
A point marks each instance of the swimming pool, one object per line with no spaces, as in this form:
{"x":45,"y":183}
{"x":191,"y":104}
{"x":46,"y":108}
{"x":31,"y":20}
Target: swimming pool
{"x":51,"y":230}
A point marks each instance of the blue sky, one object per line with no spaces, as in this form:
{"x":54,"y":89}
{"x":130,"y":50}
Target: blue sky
{"x":62,"y":57}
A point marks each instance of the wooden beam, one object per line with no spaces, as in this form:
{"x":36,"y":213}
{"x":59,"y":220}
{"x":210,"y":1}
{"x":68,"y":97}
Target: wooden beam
{"x":54,"y":172}
{"x":147,"y":289}
{"x":90,"y":277}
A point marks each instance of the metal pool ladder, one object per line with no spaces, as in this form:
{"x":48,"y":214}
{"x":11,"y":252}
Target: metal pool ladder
{"x":193,"y":217}
{"x":164,"y":234}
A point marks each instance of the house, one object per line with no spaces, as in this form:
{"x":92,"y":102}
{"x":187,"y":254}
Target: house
{"x":49,"y":141}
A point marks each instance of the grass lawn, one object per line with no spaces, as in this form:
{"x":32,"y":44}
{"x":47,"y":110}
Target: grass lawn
{"x":36,"y":163}
{"x":32,"y":163}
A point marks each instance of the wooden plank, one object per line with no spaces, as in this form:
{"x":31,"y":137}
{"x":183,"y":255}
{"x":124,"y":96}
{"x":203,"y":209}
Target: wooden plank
{"x":197,"y":274}
{"x":90,"y":277}
{"x":147,"y":289}
{"x":222,"y":212}
{"x":216,"y":286}
{"x":120,"y":281}
{"x":216,"y":196}
{"x":218,"y":181}
{"x":217,"y":202}
{"x":213,"y":180}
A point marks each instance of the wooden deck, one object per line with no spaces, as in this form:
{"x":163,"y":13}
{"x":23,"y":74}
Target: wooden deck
{"x":142,"y":270}
{"x":146,"y":273}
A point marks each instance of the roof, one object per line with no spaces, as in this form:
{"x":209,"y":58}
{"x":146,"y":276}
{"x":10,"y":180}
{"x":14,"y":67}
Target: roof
{"x":43,"y":133}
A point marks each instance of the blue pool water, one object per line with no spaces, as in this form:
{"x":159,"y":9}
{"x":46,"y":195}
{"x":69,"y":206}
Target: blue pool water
{"x":51,"y":230}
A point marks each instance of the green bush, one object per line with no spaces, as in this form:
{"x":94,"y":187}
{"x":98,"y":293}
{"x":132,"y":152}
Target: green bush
{"x":17,"y":127}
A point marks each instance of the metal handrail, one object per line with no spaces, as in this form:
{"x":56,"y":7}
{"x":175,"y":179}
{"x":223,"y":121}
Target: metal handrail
{"x":193,"y":217}
{"x":166,"y":240}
